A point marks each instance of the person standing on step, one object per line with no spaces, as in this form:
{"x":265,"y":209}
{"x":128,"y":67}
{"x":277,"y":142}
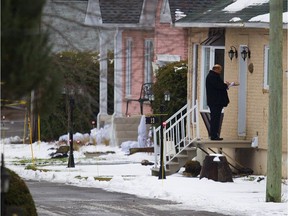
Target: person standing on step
{"x":217,"y":99}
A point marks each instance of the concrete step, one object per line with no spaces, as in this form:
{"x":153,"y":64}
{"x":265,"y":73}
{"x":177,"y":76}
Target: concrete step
{"x":126,"y":129}
{"x":178,"y":162}
{"x":128,"y":120}
{"x":127,"y":134}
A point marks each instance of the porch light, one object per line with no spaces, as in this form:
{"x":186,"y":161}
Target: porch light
{"x":167,"y":96}
{"x":151,"y":97}
{"x":233,"y":52}
{"x":245,"y":53}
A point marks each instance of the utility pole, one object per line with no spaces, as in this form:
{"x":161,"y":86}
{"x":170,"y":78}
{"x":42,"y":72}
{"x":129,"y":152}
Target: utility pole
{"x":274,"y":154}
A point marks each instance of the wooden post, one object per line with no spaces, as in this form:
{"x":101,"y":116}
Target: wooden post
{"x":216,"y":167}
{"x":274,"y":154}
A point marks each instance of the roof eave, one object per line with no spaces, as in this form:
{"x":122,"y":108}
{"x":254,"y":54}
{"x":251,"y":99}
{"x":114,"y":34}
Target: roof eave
{"x":226,"y":25}
{"x":121,"y":25}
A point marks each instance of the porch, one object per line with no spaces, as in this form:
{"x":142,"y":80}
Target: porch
{"x":181,"y":139}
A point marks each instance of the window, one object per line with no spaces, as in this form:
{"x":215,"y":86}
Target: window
{"x":211,"y":55}
{"x":148,"y":61}
{"x":266,"y":67}
{"x":128,"y":66}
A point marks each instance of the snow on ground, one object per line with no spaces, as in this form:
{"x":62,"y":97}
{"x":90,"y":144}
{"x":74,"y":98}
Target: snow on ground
{"x":244,"y":197}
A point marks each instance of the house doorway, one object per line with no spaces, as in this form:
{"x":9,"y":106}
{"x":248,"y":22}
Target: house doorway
{"x":211,"y":55}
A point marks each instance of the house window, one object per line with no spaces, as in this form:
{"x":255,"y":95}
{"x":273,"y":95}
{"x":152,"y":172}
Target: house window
{"x":148,"y":60}
{"x":128,"y":66}
{"x":266,"y":67}
{"x":211,"y":55}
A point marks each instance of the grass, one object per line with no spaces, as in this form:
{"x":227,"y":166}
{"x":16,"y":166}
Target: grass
{"x":104,"y":178}
{"x":41,"y":162}
{"x":98,"y":178}
{"x":34,"y":168}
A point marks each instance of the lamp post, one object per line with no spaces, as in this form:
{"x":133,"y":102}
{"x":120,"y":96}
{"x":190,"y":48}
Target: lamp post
{"x":71,"y":91}
{"x":70,"y":130}
{"x":162,"y":172}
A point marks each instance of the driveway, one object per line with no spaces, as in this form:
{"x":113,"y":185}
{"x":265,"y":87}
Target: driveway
{"x":54,"y":199}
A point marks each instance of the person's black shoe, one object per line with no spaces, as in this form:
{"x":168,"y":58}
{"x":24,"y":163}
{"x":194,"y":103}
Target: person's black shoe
{"x":216,"y":138}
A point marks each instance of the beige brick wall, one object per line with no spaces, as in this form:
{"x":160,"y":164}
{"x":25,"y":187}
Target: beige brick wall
{"x":257,"y":97}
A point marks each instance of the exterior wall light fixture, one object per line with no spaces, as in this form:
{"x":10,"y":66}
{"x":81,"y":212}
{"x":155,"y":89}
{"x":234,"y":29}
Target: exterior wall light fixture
{"x":233,"y":52}
{"x":245,"y":53}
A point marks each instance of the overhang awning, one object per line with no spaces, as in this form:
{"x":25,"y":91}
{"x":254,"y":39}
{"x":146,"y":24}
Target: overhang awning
{"x":216,"y":37}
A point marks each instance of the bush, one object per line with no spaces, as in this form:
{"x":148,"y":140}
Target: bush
{"x":192,"y":168}
{"x":80,"y":71}
{"x":18,"y":197}
{"x":173,"y":78}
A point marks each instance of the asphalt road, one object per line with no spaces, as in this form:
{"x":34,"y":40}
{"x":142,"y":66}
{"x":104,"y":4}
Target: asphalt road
{"x":53,"y":199}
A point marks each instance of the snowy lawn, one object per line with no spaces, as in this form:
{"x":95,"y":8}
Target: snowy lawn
{"x":245,"y":196}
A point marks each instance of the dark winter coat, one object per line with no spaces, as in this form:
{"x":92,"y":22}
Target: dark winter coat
{"x":216,"y":90}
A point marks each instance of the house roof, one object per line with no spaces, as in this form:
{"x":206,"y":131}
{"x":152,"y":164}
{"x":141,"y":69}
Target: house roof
{"x":190,"y":6}
{"x":121,"y":13}
{"x":139,"y":13}
{"x":219,"y":15}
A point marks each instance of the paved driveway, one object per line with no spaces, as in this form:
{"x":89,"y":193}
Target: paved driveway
{"x":53,"y":199}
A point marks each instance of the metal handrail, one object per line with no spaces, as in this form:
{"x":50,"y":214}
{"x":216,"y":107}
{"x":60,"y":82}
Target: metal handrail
{"x":181,"y":130}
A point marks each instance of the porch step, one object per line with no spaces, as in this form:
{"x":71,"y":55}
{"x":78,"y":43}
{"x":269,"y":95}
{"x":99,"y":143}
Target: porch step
{"x":178,"y":161}
{"x":126,"y":129}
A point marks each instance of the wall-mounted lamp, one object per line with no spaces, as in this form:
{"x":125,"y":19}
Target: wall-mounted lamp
{"x":245,"y":53}
{"x":232,"y":52}
{"x":167,"y":96}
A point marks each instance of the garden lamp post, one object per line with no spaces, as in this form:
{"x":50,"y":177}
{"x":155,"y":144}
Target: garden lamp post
{"x":71,"y":162}
{"x":70,"y":92}
{"x":162,"y":173}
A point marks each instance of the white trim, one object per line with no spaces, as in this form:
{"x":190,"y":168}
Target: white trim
{"x":93,"y":15}
{"x":148,"y":13}
{"x":266,"y":67}
{"x":165,"y":15}
{"x":168,"y":58}
{"x":242,"y":95}
{"x":128,"y":81}
{"x":148,"y":59}
{"x":228,"y":25}
{"x":194,"y":73}
{"x":118,"y":73}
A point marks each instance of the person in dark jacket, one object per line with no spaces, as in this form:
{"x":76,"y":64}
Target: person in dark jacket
{"x":217,"y":99}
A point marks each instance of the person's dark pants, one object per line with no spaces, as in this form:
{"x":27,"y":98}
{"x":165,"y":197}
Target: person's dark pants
{"x":215,"y":115}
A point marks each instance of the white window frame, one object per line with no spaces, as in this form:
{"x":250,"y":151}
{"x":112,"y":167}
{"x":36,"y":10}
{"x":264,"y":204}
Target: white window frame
{"x":128,"y":67}
{"x":266,"y":67}
{"x":204,"y":71}
{"x":148,"y":70}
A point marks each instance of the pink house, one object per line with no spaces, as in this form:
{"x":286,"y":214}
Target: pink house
{"x":144,"y":38}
